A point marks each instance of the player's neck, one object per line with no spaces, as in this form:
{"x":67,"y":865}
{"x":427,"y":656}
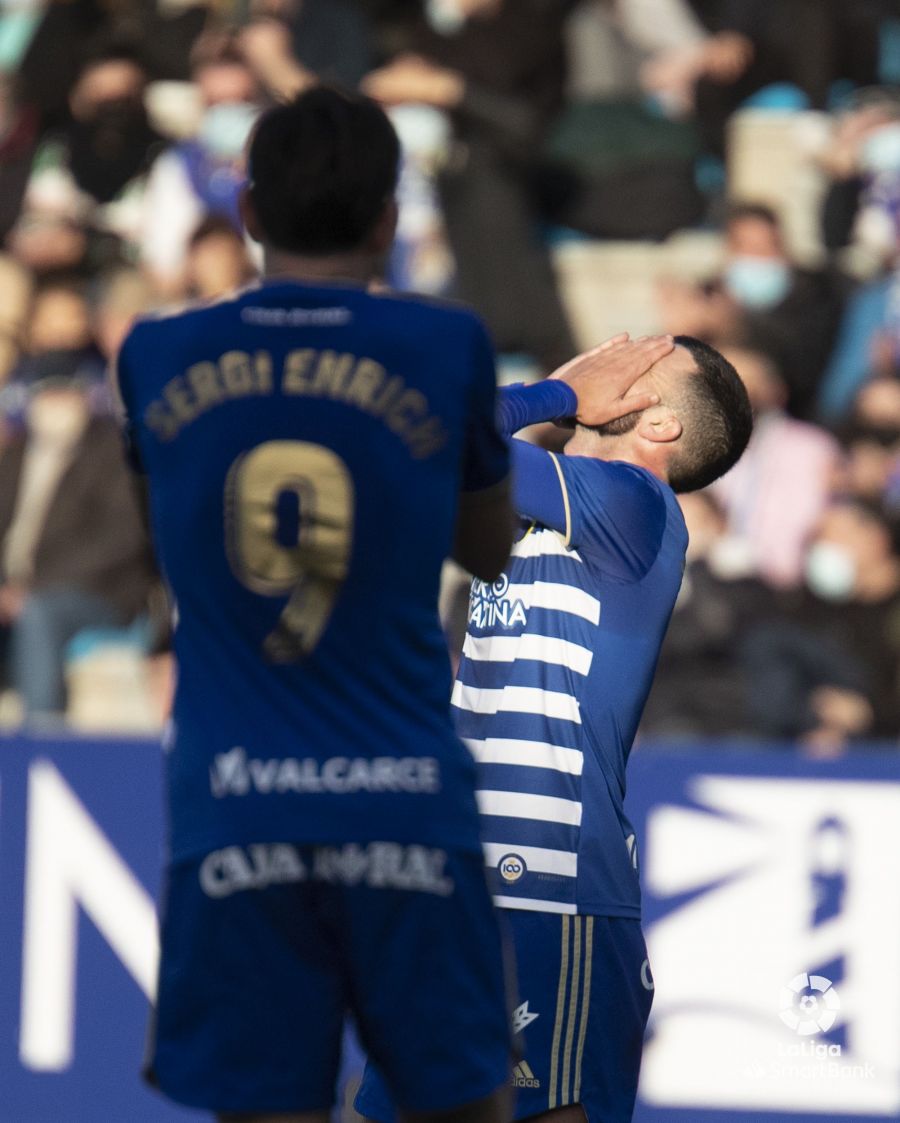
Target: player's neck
{"x":356,"y":267}
{"x":586,"y":442}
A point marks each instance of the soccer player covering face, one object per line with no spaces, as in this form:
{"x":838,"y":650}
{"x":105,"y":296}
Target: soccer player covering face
{"x":557,"y":665}
{"x":305,"y":445}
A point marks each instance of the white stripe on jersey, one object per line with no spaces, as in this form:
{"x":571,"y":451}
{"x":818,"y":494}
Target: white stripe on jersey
{"x":524,"y":805}
{"x":541,"y":649}
{"x":543,"y":544}
{"x":529,"y":754}
{"x":516,"y":699}
{"x":504,"y":902}
{"x":536,"y":858}
{"x":558,"y":596}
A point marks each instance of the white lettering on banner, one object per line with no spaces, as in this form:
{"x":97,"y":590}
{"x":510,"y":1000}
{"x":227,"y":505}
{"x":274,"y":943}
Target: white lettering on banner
{"x":379,"y":865}
{"x":783,"y":878}
{"x":70,"y":862}
{"x":234,"y":773}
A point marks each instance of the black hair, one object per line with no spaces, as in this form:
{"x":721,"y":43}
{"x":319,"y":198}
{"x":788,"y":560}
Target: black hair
{"x":321,"y":170}
{"x":106,"y":49}
{"x":759,"y":211}
{"x":216,"y":47}
{"x":717,"y":419}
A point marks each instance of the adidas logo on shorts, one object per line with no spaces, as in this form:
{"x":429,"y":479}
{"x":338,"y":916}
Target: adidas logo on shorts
{"x":523,"y":1077}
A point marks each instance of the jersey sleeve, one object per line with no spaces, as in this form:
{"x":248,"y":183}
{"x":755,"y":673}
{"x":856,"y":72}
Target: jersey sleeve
{"x":519,"y":406}
{"x":538,"y":491}
{"x":486,"y":459}
{"x":613,"y":510}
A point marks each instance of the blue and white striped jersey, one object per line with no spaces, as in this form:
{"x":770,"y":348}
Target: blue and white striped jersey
{"x":557,"y":664}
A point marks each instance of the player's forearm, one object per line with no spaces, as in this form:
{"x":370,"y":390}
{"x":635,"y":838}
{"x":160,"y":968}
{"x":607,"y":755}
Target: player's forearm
{"x":520,"y":406}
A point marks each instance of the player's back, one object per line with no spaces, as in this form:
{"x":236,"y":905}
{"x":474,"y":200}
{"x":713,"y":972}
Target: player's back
{"x":304,"y":448}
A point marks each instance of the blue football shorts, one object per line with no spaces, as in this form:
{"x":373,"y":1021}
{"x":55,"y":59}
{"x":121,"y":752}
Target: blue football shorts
{"x":267,"y":948}
{"x":585,"y":992}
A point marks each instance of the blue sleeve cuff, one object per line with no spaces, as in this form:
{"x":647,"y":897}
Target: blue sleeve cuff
{"x":518,"y":406}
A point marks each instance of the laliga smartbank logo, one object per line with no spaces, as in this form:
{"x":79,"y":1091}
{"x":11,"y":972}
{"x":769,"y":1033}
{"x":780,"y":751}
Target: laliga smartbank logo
{"x":809,"y":1004}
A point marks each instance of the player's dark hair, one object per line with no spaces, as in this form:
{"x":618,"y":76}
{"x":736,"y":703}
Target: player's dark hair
{"x":321,"y":170}
{"x":717,"y":418}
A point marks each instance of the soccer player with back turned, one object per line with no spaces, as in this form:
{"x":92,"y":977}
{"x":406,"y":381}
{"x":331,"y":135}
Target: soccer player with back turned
{"x":311,"y":451}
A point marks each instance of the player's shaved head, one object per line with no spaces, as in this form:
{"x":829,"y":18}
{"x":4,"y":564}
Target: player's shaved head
{"x":322,"y":169}
{"x":704,"y":391}
{"x":715,"y":410}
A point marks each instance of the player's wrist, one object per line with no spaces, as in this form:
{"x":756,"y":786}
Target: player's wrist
{"x":520,"y":406}
{"x":560,"y":399}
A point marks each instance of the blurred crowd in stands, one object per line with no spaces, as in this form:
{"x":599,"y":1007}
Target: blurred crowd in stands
{"x":528,"y":126}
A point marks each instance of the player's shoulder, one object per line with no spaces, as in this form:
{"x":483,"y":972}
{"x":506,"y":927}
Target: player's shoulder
{"x":640,"y":487}
{"x":188,"y":313}
{"x":187,"y":317}
{"x":630,"y":482}
{"x":606,"y":494}
{"x":432,"y":312}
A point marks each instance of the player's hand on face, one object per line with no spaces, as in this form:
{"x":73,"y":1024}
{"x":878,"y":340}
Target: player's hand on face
{"x":603,"y":378}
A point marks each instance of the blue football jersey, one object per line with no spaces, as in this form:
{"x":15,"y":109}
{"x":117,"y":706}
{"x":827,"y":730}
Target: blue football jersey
{"x":305,"y":448}
{"x":556,"y":668}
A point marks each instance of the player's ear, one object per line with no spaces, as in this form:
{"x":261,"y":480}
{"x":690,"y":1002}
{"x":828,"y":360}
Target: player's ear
{"x":659,"y":425}
{"x":382,"y":237}
{"x":248,"y":214}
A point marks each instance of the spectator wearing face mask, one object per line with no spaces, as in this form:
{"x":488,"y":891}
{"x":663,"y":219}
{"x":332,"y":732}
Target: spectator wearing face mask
{"x":764,"y":301}
{"x":89,"y":176}
{"x":202,"y":176}
{"x":828,"y":672}
{"x":73,"y":553}
{"x":775,"y":495}
{"x":58,"y":344}
{"x":111,"y":140}
{"x":92,"y":170}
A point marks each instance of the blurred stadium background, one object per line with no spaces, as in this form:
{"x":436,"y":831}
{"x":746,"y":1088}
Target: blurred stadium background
{"x":728,"y":169}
